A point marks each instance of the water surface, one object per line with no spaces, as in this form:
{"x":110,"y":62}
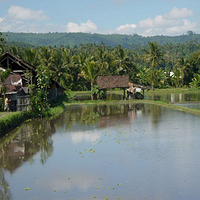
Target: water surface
{"x":127,"y":151}
{"x":174,"y":97}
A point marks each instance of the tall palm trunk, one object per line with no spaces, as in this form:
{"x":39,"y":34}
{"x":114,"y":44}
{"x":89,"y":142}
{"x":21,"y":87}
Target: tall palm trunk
{"x":92,"y":85}
{"x":152,"y":84}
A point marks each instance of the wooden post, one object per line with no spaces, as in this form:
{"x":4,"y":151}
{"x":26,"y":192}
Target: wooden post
{"x":124,"y":94}
{"x":7,"y":60}
{"x":104,"y":93}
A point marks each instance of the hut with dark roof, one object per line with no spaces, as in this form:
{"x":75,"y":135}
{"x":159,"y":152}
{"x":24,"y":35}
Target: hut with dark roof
{"x":111,"y":82}
{"x":17,"y":83}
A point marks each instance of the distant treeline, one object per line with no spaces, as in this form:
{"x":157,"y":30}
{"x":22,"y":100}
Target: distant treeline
{"x":77,"y":39}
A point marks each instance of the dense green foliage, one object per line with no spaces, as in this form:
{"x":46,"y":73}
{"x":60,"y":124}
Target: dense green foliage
{"x":72,"y":39}
{"x":158,"y":64}
{"x":39,"y":101}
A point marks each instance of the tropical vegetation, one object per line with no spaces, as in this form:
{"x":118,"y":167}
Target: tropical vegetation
{"x":77,"y":68}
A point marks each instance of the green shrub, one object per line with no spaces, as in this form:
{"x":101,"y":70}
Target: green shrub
{"x":1,"y":105}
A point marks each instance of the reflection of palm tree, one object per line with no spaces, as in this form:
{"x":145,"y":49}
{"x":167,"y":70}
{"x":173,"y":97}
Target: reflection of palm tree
{"x":42,"y":140}
{"x":5,"y":192}
{"x":46,"y":149}
{"x":85,"y":115}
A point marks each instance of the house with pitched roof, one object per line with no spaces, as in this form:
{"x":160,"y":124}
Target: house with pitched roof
{"x":17,"y":82}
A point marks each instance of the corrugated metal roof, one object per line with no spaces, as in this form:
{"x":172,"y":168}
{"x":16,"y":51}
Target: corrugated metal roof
{"x":13,"y":79}
{"x":13,"y":84}
{"x":11,"y":89}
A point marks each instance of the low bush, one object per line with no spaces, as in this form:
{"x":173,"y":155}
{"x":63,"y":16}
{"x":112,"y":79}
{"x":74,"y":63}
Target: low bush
{"x":1,"y":105}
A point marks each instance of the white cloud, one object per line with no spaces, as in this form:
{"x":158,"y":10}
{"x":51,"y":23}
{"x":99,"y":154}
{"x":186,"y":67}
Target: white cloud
{"x":159,"y":21}
{"x":89,"y":26}
{"x":20,"y":13}
{"x":82,"y":180}
{"x":187,"y":25}
{"x":126,"y":26}
{"x":179,"y":13}
{"x":175,"y":22}
{"x":88,"y":137}
{"x":1,"y":19}
{"x":123,"y":29}
{"x":172,"y":23}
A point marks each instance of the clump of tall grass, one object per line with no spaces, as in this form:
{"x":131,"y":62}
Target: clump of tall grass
{"x":13,"y":120}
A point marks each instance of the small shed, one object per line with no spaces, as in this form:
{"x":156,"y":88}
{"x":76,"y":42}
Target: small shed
{"x":19,"y":68}
{"x":111,"y":82}
{"x":55,"y":90}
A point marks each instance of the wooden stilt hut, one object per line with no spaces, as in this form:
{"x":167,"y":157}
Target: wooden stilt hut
{"x":111,"y":82}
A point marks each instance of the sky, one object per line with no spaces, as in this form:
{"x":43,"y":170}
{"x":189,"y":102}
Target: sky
{"x":142,"y":17}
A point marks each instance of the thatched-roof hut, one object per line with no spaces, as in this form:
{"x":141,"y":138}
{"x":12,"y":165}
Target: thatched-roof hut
{"x":111,"y":82}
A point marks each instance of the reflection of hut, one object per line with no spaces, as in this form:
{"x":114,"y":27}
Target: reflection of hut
{"x":111,"y":82}
{"x":14,"y":149}
{"x":128,"y":112}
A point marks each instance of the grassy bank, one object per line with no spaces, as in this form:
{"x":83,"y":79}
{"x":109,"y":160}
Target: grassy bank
{"x":11,"y":120}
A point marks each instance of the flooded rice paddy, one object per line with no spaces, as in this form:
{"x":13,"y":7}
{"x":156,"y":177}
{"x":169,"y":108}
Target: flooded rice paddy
{"x":169,"y":97}
{"x":174,"y":97}
{"x":125,"y":151}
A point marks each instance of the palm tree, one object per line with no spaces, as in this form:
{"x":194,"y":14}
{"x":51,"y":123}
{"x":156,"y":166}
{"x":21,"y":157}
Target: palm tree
{"x":122,"y":59}
{"x":80,"y":59}
{"x":2,"y":43}
{"x":60,"y":68}
{"x":31,"y":56}
{"x":90,"y":71}
{"x":100,"y":56}
{"x":176,"y":77}
{"x":45,"y":56}
{"x":182,"y":63}
{"x":153,"y":55}
{"x":16,"y":51}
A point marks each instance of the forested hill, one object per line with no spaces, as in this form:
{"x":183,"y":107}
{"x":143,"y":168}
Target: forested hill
{"x":72,"y":39}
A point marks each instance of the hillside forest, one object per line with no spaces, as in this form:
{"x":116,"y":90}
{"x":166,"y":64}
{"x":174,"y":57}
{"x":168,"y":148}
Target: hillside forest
{"x":77,"y":67}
